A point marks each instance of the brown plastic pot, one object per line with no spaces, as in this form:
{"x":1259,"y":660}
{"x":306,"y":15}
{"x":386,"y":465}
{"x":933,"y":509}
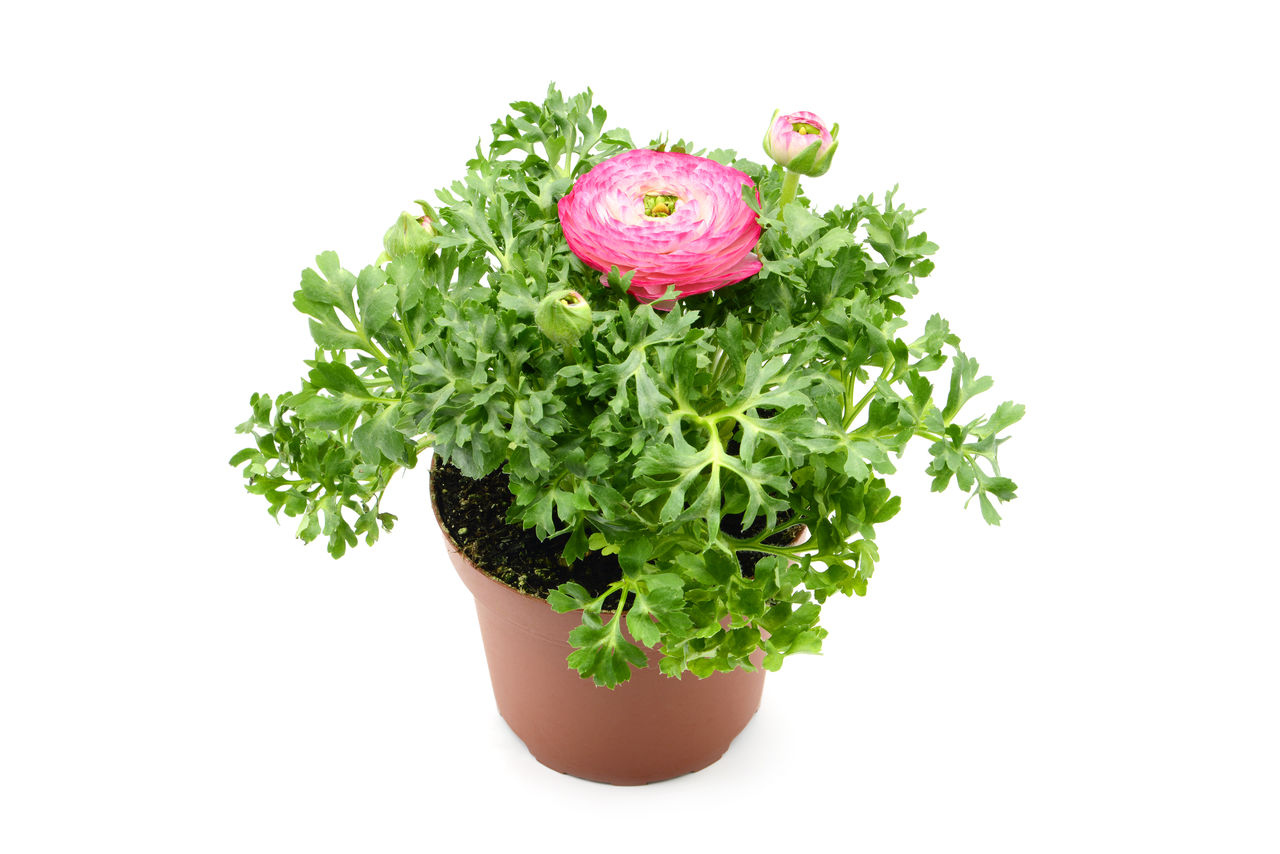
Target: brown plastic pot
{"x":650,"y":728}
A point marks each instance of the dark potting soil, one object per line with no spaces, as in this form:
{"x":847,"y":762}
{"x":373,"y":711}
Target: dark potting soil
{"x":474,"y":512}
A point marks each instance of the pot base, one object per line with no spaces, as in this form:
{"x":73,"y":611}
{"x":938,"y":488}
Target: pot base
{"x":626,"y":782}
{"x":647,"y":729}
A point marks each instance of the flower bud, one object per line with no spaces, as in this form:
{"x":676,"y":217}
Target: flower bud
{"x":801,"y":143}
{"x":409,"y":236}
{"x":563,"y":316}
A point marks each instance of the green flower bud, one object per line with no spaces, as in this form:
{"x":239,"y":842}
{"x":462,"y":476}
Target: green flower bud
{"x":563,"y":316}
{"x":409,"y":236}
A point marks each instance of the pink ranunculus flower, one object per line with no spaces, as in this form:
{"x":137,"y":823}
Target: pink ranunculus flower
{"x":801,"y":142}
{"x":668,"y":218}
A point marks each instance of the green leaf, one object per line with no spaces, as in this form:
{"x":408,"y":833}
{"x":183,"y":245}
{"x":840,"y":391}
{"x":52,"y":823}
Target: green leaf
{"x":337,"y":378}
{"x":601,"y":651}
{"x":319,"y":290}
{"x":634,"y":554}
{"x":243,"y":455}
{"x":378,"y":299}
{"x":800,"y":222}
{"x":1002,"y":488}
{"x":570,"y":596}
{"x":335,"y":337}
{"x":1006,"y":414}
{"x":641,"y":625}
{"x":330,"y":413}
{"x":965,"y":383}
{"x":378,"y":438}
{"x":988,"y":509}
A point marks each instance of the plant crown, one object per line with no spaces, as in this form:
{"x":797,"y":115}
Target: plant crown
{"x":783,"y":398}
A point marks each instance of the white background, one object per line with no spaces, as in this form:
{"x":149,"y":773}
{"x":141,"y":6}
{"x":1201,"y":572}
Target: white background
{"x":178,"y":674}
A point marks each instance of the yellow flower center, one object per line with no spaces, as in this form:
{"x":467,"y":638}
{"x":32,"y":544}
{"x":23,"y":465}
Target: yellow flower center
{"x":806,"y":128}
{"x":659,"y":204}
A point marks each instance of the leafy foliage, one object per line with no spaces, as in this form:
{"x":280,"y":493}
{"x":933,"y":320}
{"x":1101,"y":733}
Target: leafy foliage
{"x":783,"y":398}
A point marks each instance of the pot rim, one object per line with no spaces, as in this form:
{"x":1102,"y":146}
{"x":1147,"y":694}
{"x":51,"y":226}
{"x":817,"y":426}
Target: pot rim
{"x":453,"y":544}
{"x":802,"y":536}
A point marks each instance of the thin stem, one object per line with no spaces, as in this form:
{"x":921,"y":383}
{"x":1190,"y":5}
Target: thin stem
{"x":410,"y":342}
{"x":789,"y":186}
{"x":740,"y":545}
{"x":719,"y":368}
{"x":785,"y":551}
{"x":866,"y":398}
{"x":373,"y":348}
{"x":620,"y":587}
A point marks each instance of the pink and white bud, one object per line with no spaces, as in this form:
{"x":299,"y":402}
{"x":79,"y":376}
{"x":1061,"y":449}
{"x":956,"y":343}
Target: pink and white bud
{"x":801,"y":142}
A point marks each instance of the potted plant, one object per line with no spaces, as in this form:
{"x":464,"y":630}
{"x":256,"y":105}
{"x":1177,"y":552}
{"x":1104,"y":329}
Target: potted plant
{"x":662,"y":392}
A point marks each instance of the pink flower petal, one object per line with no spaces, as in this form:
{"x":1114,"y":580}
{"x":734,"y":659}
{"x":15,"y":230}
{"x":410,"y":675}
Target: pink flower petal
{"x":704,"y":244}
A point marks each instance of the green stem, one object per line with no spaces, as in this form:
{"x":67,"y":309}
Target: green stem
{"x":616,"y":623}
{"x":789,"y":186}
{"x":373,"y":348}
{"x":755,"y":543}
{"x":363,"y":334}
{"x":719,"y":368}
{"x":866,"y":398}
{"x":410,"y":342}
{"x":785,"y":551}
